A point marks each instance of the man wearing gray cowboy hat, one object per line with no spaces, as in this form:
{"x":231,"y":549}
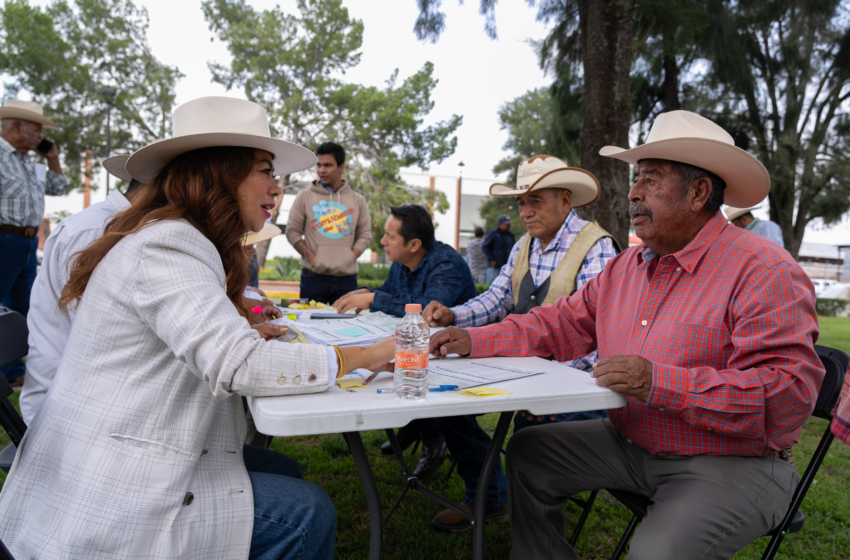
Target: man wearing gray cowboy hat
{"x":708,"y":333}
{"x":49,"y":329}
{"x":559,"y":255}
{"x":744,"y":219}
{"x":23,"y":185}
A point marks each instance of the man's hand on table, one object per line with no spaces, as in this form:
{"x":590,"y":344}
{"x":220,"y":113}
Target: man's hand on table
{"x":355,"y":300}
{"x":450,"y":341}
{"x":438,"y":315}
{"x":630,"y":376}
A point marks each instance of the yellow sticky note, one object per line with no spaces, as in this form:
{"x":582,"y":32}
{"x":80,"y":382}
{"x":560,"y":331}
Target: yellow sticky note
{"x":349,"y":383}
{"x":485,"y":392}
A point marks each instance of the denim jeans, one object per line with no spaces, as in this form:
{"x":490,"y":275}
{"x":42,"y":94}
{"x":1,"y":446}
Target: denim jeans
{"x":324,"y":288}
{"x":492,"y":274}
{"x":293,"y":519}
{"x":18,"y":265}
{"x":468,"y":444}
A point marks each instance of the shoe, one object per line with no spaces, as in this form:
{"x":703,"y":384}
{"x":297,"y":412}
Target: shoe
{"x":433,"y":455}
{"x":406,"y":437}
{"x":17,"y":383}
{"x":451,"y":521}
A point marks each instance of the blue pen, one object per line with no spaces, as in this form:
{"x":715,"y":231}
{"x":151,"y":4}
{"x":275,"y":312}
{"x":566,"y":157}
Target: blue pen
{"x":437,"y":389}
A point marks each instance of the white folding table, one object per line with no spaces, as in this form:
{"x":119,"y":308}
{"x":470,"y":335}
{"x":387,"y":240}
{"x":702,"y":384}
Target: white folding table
{"x":559,"y":389}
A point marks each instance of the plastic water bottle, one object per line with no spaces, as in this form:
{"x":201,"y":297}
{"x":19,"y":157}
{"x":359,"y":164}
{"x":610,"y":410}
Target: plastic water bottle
{"x":412,"y":336}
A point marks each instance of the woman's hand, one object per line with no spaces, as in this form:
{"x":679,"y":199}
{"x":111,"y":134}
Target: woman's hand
{"x":269,"y":331}
{"x":374,"y":358}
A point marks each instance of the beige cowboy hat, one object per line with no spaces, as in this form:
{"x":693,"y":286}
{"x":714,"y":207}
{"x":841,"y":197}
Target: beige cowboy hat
{"x":218,"y":121}
{"x":733,"y":214}
{"x":686,"y":137}
{"x":26,"y":111}
{"x":269,"y":230}
{"x":116,"y":166}
{"x":547,"y":172}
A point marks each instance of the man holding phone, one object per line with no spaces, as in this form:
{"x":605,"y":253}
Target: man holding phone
{"x":22,"y":189}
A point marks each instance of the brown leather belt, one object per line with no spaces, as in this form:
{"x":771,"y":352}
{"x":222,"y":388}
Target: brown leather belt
{"x":27,"y":232}
{"x":785,"y":455}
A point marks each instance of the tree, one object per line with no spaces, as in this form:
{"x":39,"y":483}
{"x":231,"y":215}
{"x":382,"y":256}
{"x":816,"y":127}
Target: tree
{"x":293,"y":66}
{"x":67,"y":53}
{"x":594,"y":39}
{"x":780,"y":77}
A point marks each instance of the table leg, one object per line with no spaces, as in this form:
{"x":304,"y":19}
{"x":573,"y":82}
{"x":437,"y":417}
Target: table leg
{"x":373,"y":502}
{"x":484,"y":481}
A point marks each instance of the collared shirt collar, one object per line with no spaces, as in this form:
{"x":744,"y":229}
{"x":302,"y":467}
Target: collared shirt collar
{"x":424,"y":260}
{"x":566,"y":227}
{"x":689,"y":257}
{"x":4,"y":144}
{"x":117,"y":199}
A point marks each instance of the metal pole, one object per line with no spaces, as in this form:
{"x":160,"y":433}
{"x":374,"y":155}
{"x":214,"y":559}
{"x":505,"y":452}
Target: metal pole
{"x":108,"y":140}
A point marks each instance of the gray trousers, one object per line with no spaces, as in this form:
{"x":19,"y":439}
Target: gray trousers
{"x":702,"y":507}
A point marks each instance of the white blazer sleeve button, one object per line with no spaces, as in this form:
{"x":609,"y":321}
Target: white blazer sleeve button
{"x":281,"y":380}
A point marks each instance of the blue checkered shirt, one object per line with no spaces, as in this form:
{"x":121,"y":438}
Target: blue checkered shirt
{"x":495,"y":304}
{"x":21,"y":191}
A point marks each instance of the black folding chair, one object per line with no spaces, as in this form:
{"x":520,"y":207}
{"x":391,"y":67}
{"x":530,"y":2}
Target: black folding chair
{"x":13,"y":333}
{"x":835,"y":362}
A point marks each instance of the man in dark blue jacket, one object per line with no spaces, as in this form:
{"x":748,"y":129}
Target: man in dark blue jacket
{"x":497,"y":247}
{"x":423,"y":270}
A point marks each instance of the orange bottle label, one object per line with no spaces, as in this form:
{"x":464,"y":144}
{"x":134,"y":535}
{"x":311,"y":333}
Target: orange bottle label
{"x":407,"y":359}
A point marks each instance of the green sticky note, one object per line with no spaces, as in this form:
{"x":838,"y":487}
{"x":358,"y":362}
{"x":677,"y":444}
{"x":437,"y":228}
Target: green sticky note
{"x":353,"y":332}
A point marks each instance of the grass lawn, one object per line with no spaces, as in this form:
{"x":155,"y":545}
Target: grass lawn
{"x":327,"y":462}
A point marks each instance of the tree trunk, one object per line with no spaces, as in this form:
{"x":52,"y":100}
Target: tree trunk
{"x":263,"y":246}
{"x":606,"y":39}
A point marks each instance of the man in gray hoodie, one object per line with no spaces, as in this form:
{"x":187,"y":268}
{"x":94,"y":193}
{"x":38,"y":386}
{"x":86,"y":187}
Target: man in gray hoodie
{"x":329,"y":225}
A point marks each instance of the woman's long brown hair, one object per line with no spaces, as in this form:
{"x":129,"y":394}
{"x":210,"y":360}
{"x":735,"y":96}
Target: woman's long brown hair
{"x":199,"y":187}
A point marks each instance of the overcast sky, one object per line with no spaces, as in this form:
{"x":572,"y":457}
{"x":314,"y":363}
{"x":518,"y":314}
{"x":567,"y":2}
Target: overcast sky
{"x":476,"y":75}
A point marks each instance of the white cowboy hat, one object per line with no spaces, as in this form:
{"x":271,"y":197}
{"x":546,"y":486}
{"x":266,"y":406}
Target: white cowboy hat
{"x":218,"y":121}
{"x":26,"y":111}
{"x":735,"y":213}
{"x":686,"y":137}
{"x":269,"y":230}
{"x":116,"y":166}
{"x":547,"y":172}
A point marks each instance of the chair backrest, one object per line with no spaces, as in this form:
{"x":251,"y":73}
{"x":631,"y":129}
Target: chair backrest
{"x":13,"y":334}
{"x":835,"y":362}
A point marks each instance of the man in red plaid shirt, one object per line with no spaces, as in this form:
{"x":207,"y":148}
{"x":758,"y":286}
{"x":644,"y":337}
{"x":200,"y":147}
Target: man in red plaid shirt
{"x":708,"y":329}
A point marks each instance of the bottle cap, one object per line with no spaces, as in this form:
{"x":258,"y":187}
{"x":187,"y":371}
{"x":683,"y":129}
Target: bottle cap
{"x":413,"y":307}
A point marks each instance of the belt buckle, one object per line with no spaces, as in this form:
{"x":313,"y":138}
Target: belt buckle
{"x":29,"y":232}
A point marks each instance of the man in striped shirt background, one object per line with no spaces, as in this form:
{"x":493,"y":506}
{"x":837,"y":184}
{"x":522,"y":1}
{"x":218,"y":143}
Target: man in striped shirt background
{"x":560,"y":253}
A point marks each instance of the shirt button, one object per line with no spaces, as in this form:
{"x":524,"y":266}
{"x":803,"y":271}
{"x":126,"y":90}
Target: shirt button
{"x":281,"y":380}
{"x":661,"y":409}
{"x":297,"y":380}
{"x":188,"y":499}
{"x":204,"y":452}
{"x":643,"y":322}
{"x":312,"y":378}
{"x":678,"y":269}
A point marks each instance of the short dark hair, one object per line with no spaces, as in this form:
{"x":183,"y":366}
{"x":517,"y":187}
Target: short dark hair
{"x":479,"y":231}
{"x":334,"y":149}
{"x":134,"y":184}
{"x":415,"y":224}
{"x":689,"y":173}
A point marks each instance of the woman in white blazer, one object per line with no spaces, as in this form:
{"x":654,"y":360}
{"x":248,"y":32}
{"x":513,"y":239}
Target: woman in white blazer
{"x":137,"y":450}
